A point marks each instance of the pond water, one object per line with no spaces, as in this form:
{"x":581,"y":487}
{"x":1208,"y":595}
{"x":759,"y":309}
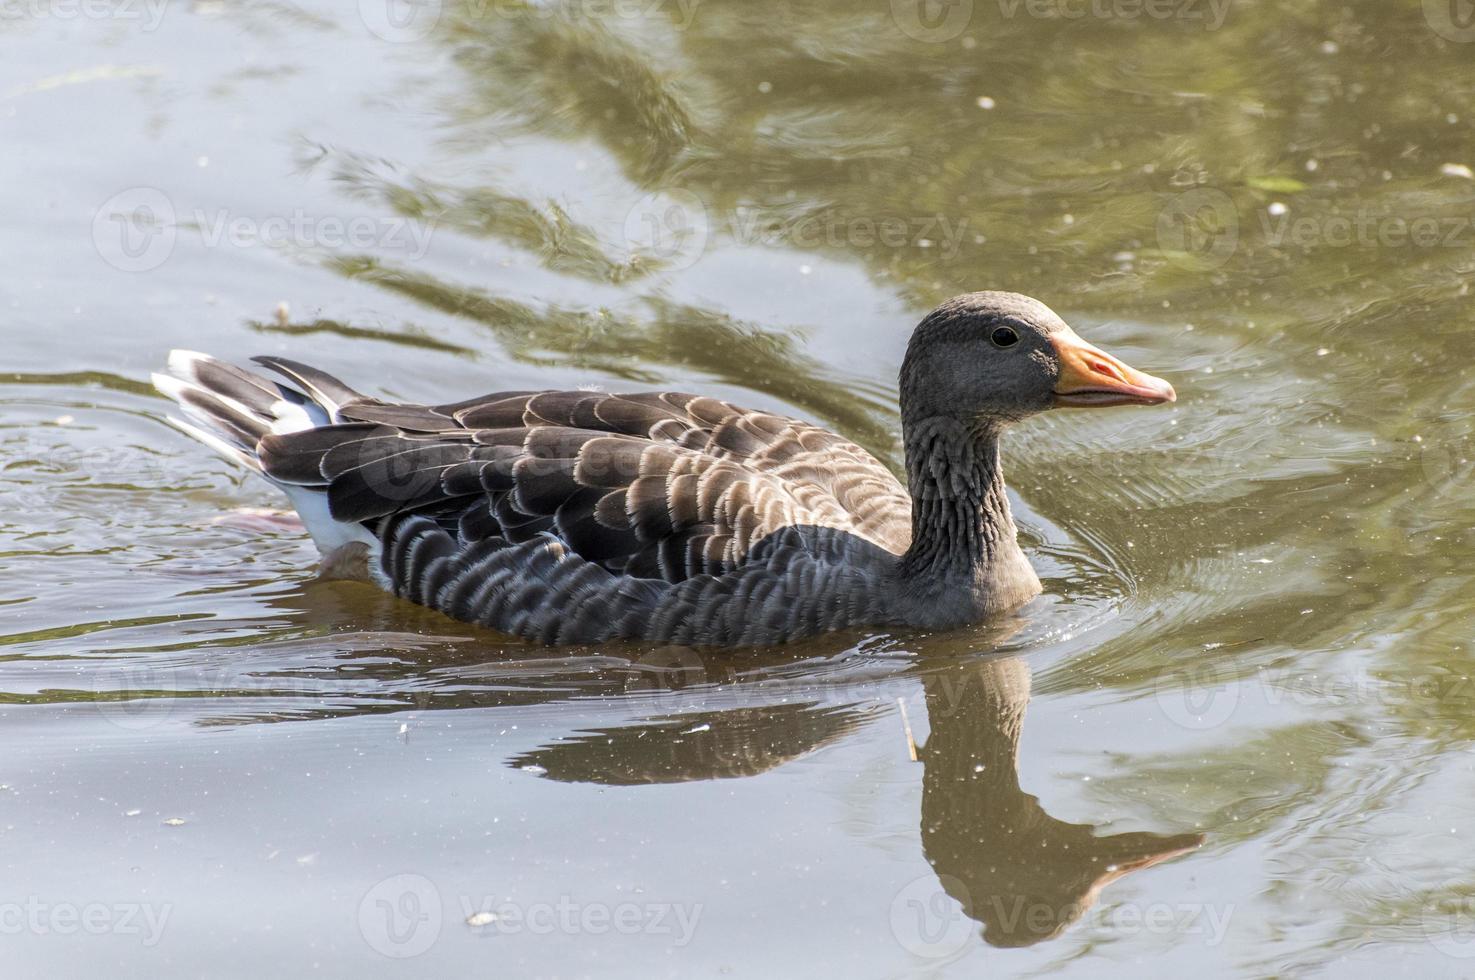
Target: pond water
{"x":1232,"y":737}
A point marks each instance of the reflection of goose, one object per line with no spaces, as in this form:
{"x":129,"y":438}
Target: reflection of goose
{"x":702,"y":745}
{"x":571,"y":516}
{"x":1020,"y":872}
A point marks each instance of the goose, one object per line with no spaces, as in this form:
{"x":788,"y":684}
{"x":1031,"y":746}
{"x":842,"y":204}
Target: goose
{"x":577,"y":517}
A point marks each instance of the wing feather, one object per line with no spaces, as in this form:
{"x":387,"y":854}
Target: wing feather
{"x":661,"y":485}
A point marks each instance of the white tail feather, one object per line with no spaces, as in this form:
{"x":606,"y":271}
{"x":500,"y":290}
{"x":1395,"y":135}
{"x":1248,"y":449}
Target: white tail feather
{"x":230,"y":452}
{"x":217,"y":418}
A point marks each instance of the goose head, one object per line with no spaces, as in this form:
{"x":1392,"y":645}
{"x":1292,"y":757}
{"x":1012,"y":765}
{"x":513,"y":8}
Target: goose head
{"x":997,"y":357}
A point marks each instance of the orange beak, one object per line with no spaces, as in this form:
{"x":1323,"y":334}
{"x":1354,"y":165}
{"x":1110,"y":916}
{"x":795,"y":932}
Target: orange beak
{"x":1091,"y":378}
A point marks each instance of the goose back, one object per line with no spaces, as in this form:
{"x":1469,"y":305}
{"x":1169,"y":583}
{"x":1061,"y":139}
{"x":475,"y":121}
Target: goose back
{"x":575,"y":516}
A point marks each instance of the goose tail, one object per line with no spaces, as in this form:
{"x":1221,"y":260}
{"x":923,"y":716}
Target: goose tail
{"x":231,"y":410}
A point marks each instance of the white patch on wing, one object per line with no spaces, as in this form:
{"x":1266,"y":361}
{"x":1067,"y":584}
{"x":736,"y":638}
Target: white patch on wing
{"x":290,"y":417}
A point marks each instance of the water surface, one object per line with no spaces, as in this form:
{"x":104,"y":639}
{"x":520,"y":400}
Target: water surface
{"x":1233,"y":737}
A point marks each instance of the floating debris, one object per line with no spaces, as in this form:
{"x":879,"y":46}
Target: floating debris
{"x":174,"y":822}
{"x":906,"y":728}
{"x":260,"y":519}
{"x":1277,"y":184}
{"x":1457,"y":170}
{"x":478,"y":919}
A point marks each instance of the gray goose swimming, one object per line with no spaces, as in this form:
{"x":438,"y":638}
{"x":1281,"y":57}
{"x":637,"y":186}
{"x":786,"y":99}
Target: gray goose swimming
{"x":577,"y":517}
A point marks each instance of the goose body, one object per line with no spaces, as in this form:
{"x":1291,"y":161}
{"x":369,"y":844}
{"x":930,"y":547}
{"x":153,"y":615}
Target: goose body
{"x":577,"y":517}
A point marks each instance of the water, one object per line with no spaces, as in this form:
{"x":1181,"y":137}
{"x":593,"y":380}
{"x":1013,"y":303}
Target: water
{"x":1232,"y":737}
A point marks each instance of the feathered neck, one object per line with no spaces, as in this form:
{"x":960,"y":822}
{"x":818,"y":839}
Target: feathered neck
{"x":960,"y":511}
{"x":964,"y":558}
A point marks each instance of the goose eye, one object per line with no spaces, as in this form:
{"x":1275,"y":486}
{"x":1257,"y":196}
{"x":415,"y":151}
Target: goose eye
{"x":1004,"y":337}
